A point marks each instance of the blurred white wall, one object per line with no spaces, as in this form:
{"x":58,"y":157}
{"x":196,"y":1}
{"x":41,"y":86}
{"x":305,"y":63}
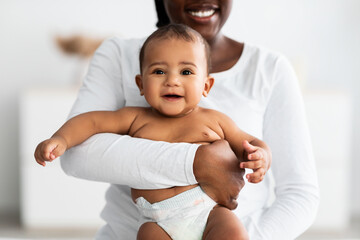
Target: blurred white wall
{"x":321,"y":38}
{"x":29,"y":58}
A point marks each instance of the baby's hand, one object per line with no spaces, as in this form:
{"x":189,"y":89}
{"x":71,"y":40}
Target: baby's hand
{"x":50,"y":149}
{"x":259,"y":162}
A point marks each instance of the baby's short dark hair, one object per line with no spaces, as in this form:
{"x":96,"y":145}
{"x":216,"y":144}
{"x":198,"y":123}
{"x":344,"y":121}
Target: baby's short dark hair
{"x":176,"y":31}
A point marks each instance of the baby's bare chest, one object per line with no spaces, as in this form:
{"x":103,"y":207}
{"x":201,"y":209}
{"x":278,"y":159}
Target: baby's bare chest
{"x":177,"y":130}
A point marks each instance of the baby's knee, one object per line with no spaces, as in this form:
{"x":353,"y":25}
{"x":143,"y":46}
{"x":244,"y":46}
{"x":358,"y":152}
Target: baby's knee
{"x":229,"y":233}
{"x":150,"y":231}
{"x":145,"y":231}
{"x":237,"y":234}
{"x":224,"y":225}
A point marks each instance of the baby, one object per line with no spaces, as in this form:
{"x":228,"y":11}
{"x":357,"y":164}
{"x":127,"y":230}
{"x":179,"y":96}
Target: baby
{"x":174,"y":75}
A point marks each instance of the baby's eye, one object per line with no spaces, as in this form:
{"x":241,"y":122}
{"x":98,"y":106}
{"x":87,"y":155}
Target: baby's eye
{"x":159,"y":71}
{"x":186,"y":72}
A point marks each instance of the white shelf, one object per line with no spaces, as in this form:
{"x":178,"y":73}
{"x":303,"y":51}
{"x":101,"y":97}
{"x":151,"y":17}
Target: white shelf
{"x":49,"y":198}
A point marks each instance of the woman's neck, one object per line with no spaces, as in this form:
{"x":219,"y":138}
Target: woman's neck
{"x":225,"y":53}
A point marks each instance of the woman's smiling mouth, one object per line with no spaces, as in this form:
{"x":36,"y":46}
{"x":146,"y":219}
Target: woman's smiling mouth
{"x":202,"y":13}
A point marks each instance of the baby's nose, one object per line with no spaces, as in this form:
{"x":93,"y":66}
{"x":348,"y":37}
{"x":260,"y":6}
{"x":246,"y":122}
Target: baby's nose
{"x":172,"y":80}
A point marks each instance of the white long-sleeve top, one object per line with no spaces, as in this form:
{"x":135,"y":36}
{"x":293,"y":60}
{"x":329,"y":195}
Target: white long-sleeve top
{"x":260,"y":93}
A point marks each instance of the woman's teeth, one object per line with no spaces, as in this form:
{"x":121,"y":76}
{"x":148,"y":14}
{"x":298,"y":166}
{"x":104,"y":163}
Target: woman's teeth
{"x":205,"y":13}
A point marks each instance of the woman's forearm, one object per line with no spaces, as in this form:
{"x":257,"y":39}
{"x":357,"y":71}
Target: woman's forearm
{"x":138,"y":163}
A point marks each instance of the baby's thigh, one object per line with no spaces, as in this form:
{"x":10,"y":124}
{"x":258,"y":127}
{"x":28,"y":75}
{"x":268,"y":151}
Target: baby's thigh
{"x":150,"y":231}
{"x":224,"y":224}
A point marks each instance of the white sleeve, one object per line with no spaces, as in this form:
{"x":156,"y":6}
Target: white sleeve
{"x":293,"y":166}
{"x":124,"y":160}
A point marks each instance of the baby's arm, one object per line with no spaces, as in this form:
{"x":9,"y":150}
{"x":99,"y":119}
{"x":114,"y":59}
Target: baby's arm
{"x":252,"y":152}
{"x":79,"y":128}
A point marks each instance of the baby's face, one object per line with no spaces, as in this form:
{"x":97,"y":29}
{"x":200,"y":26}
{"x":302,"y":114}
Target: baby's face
{"x":174,"y":76}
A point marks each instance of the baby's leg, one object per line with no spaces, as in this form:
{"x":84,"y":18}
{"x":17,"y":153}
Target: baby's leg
{"x":150,"y":231}
{"x":224,"y":224}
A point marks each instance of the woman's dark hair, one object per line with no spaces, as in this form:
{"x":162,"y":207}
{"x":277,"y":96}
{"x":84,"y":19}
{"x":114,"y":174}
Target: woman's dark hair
{"x":176,"y":31}
{"x":163,"y":18}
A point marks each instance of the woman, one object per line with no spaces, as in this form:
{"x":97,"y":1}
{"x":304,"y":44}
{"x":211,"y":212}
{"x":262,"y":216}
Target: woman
{"x":255,"y":87}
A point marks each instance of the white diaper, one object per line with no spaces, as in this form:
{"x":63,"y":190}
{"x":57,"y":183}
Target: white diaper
{"x":183,"y":216}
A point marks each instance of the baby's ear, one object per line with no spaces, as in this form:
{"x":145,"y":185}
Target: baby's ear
{"x":138,"y":80}
{"x":208,"y":85}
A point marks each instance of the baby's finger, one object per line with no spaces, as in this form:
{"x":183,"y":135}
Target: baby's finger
{"x":39,"y":159}
{"x":45,"y":155}
{"x":50,"y":152}
{"x":42,"y":163}
{"x":255,"y":155}
{"x":37,"y":154}
{"x":252,"y":164}
{"x":256,"y":176}
{"x":253,"y":179}
{"x":52,"y":156}
{"x":58,"y":151}
{"x":248,"y":147}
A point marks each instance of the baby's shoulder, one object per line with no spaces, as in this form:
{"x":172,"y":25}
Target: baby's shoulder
{"x":214,"y":114}
{"x":221,"y":119}
{"x":136,"y":111}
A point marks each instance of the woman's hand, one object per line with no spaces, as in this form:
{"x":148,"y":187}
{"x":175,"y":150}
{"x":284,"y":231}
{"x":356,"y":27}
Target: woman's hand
{"x":217,"y":170}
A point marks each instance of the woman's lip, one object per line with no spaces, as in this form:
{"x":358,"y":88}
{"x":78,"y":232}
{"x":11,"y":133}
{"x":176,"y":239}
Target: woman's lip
{"x":201,"y":6}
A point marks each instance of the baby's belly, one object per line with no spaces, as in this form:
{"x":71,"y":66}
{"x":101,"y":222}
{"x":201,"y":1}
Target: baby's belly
{"x":153,"y":196}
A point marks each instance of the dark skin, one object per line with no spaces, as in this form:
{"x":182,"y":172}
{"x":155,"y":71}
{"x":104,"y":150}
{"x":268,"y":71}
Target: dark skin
{"x":225,"y":52}
{"x":216,"y":167}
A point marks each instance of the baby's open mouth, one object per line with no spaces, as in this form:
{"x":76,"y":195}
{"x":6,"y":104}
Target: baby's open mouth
{"x":172,"y":96}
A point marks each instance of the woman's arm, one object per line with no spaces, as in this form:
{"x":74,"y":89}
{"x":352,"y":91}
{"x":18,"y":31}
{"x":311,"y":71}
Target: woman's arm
{"x":293,"y":166}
